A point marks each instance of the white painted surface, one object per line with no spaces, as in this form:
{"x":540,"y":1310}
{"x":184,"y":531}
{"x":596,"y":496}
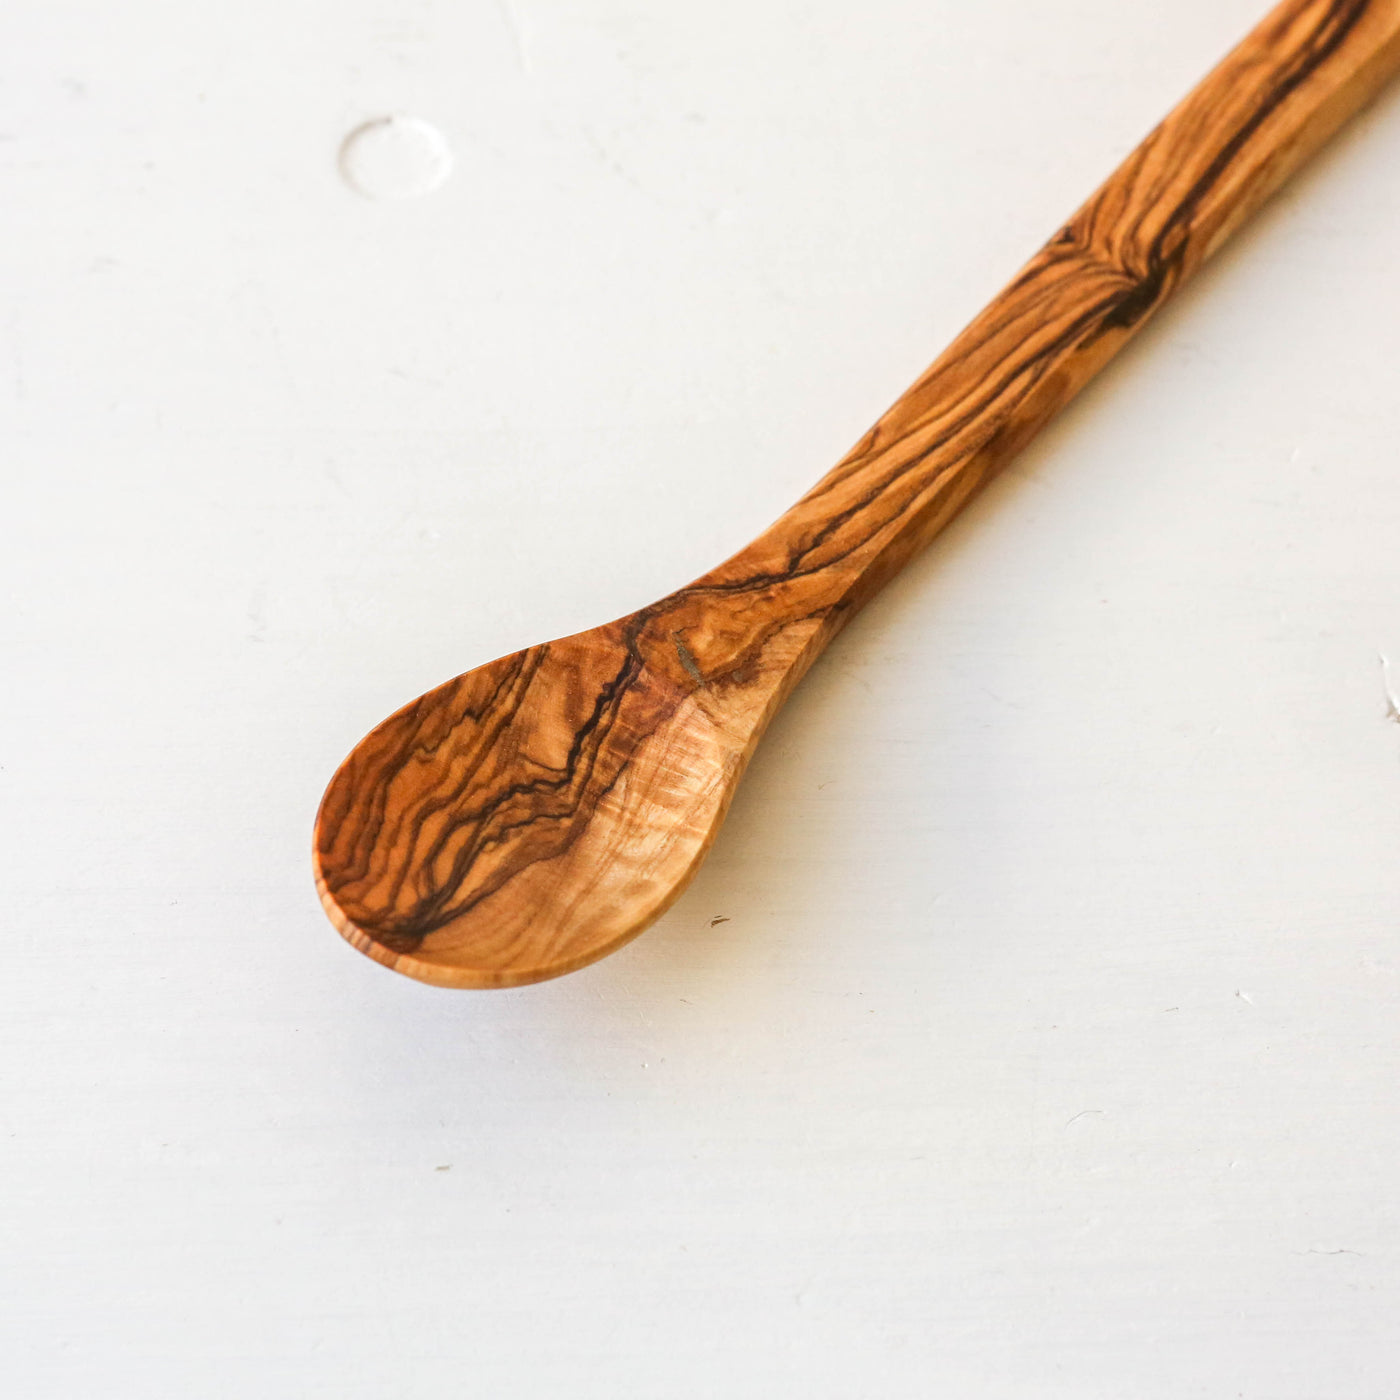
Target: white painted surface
{"x":1050,"y":1046}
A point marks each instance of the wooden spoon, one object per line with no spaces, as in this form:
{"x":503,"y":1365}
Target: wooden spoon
{"x":537,"y":812}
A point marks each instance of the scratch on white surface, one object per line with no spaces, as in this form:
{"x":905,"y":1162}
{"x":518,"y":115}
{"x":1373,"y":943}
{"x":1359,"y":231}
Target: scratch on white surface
{"x":332,"y":474}
{"x":254,"y":294}
{"x":1000,"y":699}
{"x":611,"y":163}
{"x":1392,"y":704}
{"x":16,"y":357}
{"x":517,"y":37}
{"x":410,"y":377}
{"x":1245,"y":997}
{"x":257,"y":613}
{"x":1084,"y":1113}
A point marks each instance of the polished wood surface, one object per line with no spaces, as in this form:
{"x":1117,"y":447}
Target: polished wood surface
{"x":535,"y":813}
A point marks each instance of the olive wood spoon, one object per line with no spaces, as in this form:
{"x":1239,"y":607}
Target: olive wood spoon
{"x":536,"y":813}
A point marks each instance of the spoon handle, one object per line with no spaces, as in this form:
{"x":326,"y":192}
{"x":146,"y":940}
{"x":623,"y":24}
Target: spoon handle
{"x":1287,"y":87}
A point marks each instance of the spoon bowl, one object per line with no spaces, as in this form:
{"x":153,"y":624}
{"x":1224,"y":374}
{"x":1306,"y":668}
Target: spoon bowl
{"x":532,"y":815}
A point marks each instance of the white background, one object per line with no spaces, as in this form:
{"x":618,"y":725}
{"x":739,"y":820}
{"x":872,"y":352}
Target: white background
{"x":1050,"y":1046}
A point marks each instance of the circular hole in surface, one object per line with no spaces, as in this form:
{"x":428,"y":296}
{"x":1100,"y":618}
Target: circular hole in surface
{"x":395,"y":157}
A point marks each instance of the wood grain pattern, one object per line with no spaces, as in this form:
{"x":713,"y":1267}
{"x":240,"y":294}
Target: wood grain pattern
{"x":533,"y":814}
